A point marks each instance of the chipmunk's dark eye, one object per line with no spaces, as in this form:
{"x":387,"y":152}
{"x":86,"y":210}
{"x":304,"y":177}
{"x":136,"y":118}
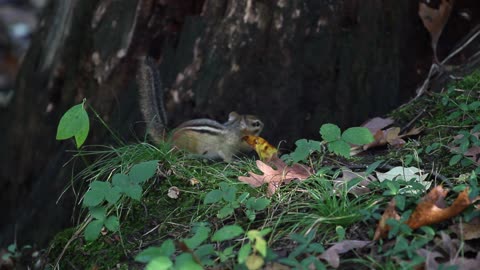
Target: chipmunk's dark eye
{"x":256,"y":123}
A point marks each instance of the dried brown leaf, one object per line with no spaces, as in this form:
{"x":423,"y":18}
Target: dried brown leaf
{"x":381,"y":137}
{"x":434,"y":20}
{"x":194,"y":181}
{"x":382,"y":227}
{"x":430,"y":210}
{"x":412,"y":132}
{"x":377,"y":123}
{"x":348,"y":175}
{"x":472,"y":153}
{"x":446,"y":253}
{"x":331,"y":255}
{"x":173,"y":192}
{"x":283,"y":174}
{"x":467,"y":231}
{"x":430,"y":258}
{"x":390,"y":136}
{"x":463,"y":263}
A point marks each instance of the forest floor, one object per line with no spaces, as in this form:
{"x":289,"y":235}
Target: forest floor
{"x":152,"y":207}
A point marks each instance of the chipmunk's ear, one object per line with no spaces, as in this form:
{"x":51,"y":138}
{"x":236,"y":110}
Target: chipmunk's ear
{"x":233,"y":116}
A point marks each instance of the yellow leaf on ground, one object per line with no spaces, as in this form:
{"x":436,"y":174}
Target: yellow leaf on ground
{"x":254,"y":262}
{"x":263,"y":148}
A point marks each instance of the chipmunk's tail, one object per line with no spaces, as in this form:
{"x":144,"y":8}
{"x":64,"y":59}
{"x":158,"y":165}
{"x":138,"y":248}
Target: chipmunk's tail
{"x":151,"y":98}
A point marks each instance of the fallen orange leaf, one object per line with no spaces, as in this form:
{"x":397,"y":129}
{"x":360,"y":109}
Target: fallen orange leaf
{"x":430,"y":210}
{"x":383,"y":228}
{"x":283,"y":174}
{"x":263,"y":148}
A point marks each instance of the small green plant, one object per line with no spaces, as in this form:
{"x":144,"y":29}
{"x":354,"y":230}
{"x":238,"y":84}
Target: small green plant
{"x":252,"y":254}
{"x":304,"y":149}
{"x":474,"y":191}
{"x":157,"y":257}
{"x":336,"y":142}
{"x":464,"y":106}
{"x":305,"y":254}
{"x":227,"y":196}
{"x":407,"y":243}
{"x":340,"y":233}
{"x":432,"y":147}
{"x":415,"y":156}
{"x":74,"y":123}
{"x":253,"y":205}
{"x":405,"y":192}
{"x":15,"y":253}
{"x":195,"y":253}
{"x":101,"y":192}
{"x":328,"y":206}
{"x":12,"y":252}
{"x":464,"y":141}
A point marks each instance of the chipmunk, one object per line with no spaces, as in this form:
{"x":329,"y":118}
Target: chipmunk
{"x":205,"y":137}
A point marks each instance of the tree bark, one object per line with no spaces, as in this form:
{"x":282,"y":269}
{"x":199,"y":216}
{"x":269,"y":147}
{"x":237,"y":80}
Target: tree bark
{"x":296,"y":64}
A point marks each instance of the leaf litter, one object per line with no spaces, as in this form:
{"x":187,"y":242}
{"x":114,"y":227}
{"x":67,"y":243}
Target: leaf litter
{"x":430,"y":210}
{"x":276,"y":173}
{"x":384,"y":136}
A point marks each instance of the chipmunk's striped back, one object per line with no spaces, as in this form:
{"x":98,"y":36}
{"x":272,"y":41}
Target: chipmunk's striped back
{"x":204,"y":137}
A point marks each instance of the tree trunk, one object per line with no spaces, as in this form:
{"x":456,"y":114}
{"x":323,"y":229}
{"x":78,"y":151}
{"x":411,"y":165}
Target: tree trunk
{"x":294,"y":63}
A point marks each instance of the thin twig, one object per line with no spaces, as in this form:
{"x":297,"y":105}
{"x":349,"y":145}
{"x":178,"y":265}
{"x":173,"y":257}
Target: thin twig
{"x":459,"y":49}
{"x":422,"y":89}
{"x":409,"y":124}
{"x":71,"y":265}
{"x":442,"y":178}
{"x":463,"y":91}
{"x":449,"y":126}
{"x":74,"y":237}
{"x":434,"y":67}
{"x":153,"y":229}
